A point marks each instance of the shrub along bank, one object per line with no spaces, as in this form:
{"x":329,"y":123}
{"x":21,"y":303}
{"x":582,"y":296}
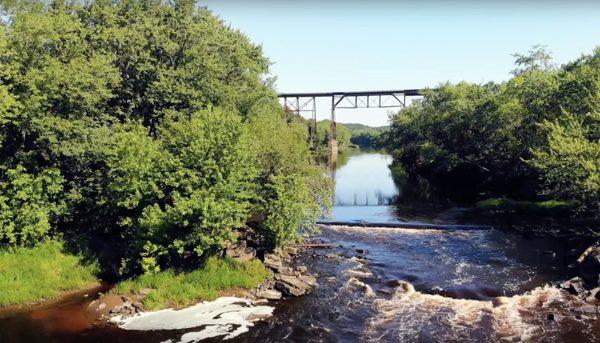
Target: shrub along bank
{"x":146,"y":129}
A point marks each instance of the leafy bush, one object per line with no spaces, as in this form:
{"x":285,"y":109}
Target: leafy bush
{"x":458,"y":131}
{"x":291,"y":194}
{"x":571,"y":161}
{"x":29,"y":205}
{"x":182,"y":194}
{"x":367,"y":140}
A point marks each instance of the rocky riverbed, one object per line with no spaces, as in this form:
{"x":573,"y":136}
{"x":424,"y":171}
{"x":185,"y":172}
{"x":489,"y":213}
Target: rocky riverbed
{"x":364,"y":284}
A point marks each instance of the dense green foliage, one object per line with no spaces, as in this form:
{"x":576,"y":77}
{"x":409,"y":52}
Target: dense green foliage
{"x":534,"y":136}
{"x":148,"y":124}
{"x":357,"y":129}
{"x":343,"y":134}
{"x":180,"y":289}
{"x":367,"y":140}
{"x":29,"y":205}
{"x":349,"y":135}
{"x":365,"y":137}
{"x":42,"y":272}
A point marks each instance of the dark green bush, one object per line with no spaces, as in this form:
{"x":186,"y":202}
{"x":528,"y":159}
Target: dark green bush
{"x":29,"y":205}
{"x":534,"y":136}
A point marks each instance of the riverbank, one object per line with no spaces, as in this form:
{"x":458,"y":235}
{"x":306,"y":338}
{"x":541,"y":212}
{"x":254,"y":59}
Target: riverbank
{"x":239,"y":273}
{"x":171,"y":288}
{"x":238,"y":288}
{"x":46,"y":274}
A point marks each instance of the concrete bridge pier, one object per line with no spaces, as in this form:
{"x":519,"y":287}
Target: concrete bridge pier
{"x":333,"y":143}
{"x":333,"y":149}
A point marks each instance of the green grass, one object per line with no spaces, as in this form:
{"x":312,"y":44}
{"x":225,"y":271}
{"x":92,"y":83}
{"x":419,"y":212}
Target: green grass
{"x":179,"y":289}
{"x":30,"y":275}
{"x":527,"y":207}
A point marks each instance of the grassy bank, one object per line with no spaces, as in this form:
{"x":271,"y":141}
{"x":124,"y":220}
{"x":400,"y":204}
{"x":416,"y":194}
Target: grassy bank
{"x":30,"y":275}
{"x":179,"y":289}
{"x":549,"y":207}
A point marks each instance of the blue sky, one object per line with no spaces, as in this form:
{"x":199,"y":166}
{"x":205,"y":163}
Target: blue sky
{"x":369,"y":45}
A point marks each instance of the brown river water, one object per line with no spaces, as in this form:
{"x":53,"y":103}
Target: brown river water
{"x":386,"y":284}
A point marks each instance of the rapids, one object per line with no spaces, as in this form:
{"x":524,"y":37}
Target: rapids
{"x":376,"y":284}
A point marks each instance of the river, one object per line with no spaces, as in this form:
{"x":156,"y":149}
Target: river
{"x":393,"y":284}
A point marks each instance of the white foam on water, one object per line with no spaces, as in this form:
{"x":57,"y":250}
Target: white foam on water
{"x":356,"y":283}
{"x":359,"y":272}
{"x":408,"y":312}
{"x":463,"y":276}
{"x":208,"y":332}
{"x":377,"y":230}
{"x":226,"y":316}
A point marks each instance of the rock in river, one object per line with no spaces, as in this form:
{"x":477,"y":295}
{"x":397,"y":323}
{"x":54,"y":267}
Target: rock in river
{"x":574,"y":286}
{"x":273,"y":262}
{"x":269,"y":294}
{"x":291,"y":285}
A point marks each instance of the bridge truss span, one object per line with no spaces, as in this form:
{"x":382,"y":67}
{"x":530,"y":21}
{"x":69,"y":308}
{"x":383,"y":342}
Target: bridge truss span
{"x":305,"y":104}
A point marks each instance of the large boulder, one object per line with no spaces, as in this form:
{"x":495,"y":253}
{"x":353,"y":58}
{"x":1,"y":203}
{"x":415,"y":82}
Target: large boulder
{"x":593,"y":295}
{"x":291,"y":285}
{"x":240,"y":251}
{"x":273,"y":262}
{"x":288,"y":289}
{"x":574,"y":286}
{"x":308,"y":279}
{"x":589,"y":265}
{"x":269,"y":294}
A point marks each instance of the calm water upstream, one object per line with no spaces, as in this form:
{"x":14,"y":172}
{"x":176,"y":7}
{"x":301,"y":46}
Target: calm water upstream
{"x":390,"y":284}
{"x":364,"y":189}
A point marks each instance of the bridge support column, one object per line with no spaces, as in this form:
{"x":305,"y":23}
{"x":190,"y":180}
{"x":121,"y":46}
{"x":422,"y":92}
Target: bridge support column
{"x":333,"y":144}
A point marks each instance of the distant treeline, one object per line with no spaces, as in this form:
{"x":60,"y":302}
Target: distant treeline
{"x":350,"y":135}
{"x":535,"y":136}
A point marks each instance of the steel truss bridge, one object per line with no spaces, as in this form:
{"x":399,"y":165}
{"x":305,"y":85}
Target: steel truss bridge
{"x":304,"y":104}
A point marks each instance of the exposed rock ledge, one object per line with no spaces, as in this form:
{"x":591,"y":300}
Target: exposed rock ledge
{"x":227,"y":316}
{"x":288,"y":280}
{"x":587,"y":285}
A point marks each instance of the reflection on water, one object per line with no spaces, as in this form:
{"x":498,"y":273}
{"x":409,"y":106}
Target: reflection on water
{"x":365,"y":180}
{"x":370,"y":188}
{"x":364,"y":188}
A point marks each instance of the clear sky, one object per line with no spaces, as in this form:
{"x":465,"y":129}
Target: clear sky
{"x":371,"y":45}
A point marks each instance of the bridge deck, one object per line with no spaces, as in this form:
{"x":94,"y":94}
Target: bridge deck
{"x":408,"y":92}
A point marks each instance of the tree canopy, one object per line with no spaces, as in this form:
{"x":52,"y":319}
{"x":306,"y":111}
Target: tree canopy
{"x":146,"y":123}
{"x":534,"y":136}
